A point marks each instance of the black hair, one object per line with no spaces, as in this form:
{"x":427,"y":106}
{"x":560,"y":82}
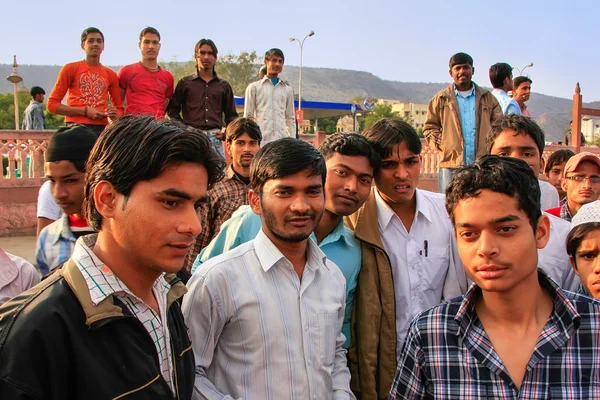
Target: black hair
{"x":519,"y":80}
{"x":350,"y":144}
{"x":239,"y":126}
{"x":285,"y":157}
{"x":274,"y":52}
{"x":498,"y":73}
{"x":89,"y":30}
{"x":138,"y":148}
{"x":507,"y":175}
{"x":521,"y":125}
{"x":151,"y":30}
{"x":36,"y":90}
{"x":577,"y":235}
{"x":558,"y":157}
{"x":201,"y":43}
{"x":387,"y":132}
{"x":460,"y":58}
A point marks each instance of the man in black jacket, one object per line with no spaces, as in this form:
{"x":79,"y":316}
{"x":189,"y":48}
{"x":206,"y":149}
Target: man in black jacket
{"x":108,"y":324}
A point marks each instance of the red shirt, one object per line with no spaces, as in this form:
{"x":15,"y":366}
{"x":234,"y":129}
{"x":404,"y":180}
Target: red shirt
{"x":146,"y":91}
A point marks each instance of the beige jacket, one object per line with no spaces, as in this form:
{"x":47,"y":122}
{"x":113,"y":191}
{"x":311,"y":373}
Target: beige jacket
{"x":443,"y":128}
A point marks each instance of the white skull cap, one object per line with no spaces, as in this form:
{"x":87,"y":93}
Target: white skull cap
{"x":587,"y":213}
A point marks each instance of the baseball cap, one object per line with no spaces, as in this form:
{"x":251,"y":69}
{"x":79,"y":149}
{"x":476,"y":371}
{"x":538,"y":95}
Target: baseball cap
{"x":574,"y":161}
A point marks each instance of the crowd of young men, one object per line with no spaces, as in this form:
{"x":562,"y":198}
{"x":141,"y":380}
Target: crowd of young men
{"x":316,"y":273}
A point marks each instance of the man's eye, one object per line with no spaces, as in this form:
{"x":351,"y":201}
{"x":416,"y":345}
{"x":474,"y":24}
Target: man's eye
{"x":171,"y":203}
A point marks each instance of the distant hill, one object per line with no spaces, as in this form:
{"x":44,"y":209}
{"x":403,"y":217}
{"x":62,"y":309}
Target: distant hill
{"x":339,"y":85}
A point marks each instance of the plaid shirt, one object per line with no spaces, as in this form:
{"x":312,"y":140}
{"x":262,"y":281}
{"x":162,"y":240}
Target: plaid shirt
{"x":448,"y":355}
{"x":102,"y":283}
{"x":54,"y":245}
{"x":564,"y":212}
{"x":224,"y":198}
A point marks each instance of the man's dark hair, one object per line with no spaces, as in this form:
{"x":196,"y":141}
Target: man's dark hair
{"x":558,"y":157}
{"x":239,"y":126}
{"x":387,"y":132}
{"x":507,"y":175}
{"x":201,"y":43}
{"x":577,"y":235}
{"x":519,"y":80}
{"x":498,"y":73}
{"x":138,"y":148}
{"x":350,"y":144}
{"x":89,"y":30}
{"x":36,"y":90}
{"x":460,"y":58}
{"x":151,"y":30}
{"x":285,"y":157}
{"x":521,"y":125}
{"x":274,"y":52}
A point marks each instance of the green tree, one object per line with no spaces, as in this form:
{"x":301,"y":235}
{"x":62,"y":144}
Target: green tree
{"x":378,"y":112}
{"x":54,"y":121}
{"x":7,"y":109}
{"x":328,"y":124}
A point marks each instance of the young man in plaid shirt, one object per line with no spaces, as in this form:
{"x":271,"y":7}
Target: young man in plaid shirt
{"x":515,"y":334}
{"x":242,"y":142}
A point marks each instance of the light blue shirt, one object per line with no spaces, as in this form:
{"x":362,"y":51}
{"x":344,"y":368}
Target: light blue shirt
{"x":54,"y":245}
{"x":466,"y":108}
{"x":508,"y":104}
{"x":340,"y":246}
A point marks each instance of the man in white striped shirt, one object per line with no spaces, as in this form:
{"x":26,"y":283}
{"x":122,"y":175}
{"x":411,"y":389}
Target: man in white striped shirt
{"x":265,"y":318}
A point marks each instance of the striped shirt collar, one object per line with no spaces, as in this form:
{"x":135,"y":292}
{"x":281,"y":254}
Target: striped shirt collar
{"x":100,"y":279}
{"x":269,"y":255}
{"x":564,"y":310}
{"x":61,"y":230}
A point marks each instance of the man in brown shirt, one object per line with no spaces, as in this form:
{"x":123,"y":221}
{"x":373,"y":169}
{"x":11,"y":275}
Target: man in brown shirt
{"x":203,"y":98}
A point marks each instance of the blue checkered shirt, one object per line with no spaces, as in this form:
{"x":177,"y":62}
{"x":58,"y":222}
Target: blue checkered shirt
{"x":448,"y":355}
{"x":54,"y":245}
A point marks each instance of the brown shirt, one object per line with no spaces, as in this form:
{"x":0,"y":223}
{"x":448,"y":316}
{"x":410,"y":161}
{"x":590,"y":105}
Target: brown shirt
{"x":202,"y":103}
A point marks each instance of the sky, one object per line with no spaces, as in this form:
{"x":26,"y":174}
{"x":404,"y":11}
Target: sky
{"x":409,"y":41}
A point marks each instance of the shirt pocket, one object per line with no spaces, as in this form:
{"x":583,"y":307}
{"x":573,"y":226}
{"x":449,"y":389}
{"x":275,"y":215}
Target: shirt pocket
{"x":328,"y":332}
{"x":435,"y":267}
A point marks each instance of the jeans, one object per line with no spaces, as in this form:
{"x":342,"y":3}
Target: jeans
{"x":444,"y":178}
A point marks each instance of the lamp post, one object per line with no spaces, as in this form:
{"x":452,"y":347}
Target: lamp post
{"x":524,"y":68}
{"x":14,"y":78}
{"x":301,"y":43}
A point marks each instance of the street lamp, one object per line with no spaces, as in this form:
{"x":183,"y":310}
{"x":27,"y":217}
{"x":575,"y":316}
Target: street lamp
{"x":301,"y":43}
{"x":524,"y":68}
{"x":14,"y":78}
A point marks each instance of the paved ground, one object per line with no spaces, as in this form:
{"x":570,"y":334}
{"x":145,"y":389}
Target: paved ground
{"x":22,"y":246}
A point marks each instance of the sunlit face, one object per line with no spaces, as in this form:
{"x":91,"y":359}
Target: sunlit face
{"x":39,"y":97}
{"x":348,"y":183}
{"x":509,"y":143}
{"x":290,"y":207}
{"x":157,"y":223}
{"x":242,"y":151}
{"x":274,"y":66}
{"x":496,"y":242}
{"x":398,"y":175}
{"x":150,"y":46}
{"x":206,"y":58}
{"x":66,"y":185}
{"x":522,"y":93}
{"x":587,"y":263}
{"x":93,"y":45}
{"x":462,"y":74}
{"x":555,"y":177}
{"x":581,"y":193}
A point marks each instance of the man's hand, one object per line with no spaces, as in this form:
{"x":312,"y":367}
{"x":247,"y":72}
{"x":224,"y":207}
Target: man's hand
{"x":111,"y":111}
{"x":94,"y":113}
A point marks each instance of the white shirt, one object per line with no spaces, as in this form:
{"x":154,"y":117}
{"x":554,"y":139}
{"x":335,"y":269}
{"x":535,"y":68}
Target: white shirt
{"x":554,"y":258}
{"x":272,"y":106}
{"x":46,"y":205}
{"x":421,"y":280}
{"x":16,"y":276}
{"x":550,"y":198}
{"x":259,"y":333}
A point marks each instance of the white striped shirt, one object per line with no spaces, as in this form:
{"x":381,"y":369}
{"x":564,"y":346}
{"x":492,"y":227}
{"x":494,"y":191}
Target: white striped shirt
{"x":259,"y":332}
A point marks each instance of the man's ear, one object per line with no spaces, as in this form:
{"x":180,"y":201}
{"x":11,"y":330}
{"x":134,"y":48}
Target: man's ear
{"x":254,"y":200}
{"x":105,"y":199}
{"x":542,"y":233}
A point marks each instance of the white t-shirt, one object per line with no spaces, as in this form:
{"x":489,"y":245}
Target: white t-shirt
{"x":549,"y":197}
{"x":46,"y":206}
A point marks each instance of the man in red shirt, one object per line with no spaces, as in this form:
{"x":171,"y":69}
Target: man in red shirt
{"x":146,"y":86}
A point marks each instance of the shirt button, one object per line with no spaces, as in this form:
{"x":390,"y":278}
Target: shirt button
{"x":308,"y":362}
{"x":314,"y":396}
{"x":306,"y":328}
{"x":207,"y":109}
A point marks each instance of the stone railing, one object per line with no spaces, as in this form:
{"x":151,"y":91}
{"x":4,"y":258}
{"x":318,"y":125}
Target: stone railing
{"x":23,"y":157}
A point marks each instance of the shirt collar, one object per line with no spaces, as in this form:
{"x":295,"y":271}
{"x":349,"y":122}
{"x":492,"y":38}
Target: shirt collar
{"x":231,"y":174}
{"x":197,"y":76}
{"x":61,"y":229}
{"x":268,"y":254}
{"x":100,"y":279}
{"x":340,"y":232}
{"x":385,"y":212}
{"x":564,"y":310}
{"x":470,"y":92}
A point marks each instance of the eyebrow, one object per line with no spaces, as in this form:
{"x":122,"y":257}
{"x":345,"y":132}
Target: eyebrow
{"x":352,"y":169}
{"x":71,"y":175}
{"x":182,"y":195}
{"x":507,"y":218}
{"x":520,"y":148}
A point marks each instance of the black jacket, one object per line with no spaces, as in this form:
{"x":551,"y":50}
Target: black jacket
{"x":56,"y":345}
